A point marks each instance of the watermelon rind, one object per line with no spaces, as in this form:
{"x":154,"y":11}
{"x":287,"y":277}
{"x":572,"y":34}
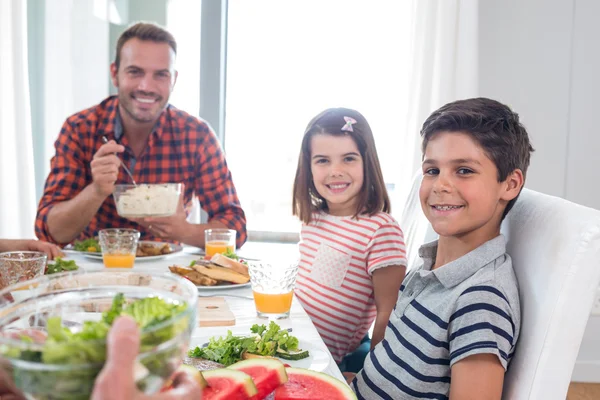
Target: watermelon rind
{"x":237,"y":376}
{"x":268,"y":363}
{"x":340,"y":385}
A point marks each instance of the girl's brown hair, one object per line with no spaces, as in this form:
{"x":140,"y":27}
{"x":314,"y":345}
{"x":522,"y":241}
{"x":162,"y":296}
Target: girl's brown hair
{"x":373,"y":196}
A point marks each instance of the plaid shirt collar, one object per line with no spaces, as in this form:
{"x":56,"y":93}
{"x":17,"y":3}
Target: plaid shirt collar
{"x":114,"y":123}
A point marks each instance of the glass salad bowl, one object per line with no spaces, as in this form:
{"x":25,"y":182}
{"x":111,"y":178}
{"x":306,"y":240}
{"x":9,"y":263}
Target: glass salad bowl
{"x":53,"y":329}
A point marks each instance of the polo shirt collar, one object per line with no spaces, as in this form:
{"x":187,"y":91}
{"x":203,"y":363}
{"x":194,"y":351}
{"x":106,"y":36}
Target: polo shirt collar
{"x":459,"y":270}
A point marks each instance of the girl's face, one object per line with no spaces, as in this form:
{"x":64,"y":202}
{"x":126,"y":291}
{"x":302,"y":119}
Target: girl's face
{"x":337,"y":171}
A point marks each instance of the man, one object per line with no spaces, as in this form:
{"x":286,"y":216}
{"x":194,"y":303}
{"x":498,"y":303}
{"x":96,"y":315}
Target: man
{"x":159,"y":144}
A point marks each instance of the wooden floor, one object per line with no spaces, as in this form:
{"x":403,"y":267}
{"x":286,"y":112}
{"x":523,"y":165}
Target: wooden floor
{"x":584,"y":391}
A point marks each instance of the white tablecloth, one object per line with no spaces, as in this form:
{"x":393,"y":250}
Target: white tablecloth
{"x":242,"y":307}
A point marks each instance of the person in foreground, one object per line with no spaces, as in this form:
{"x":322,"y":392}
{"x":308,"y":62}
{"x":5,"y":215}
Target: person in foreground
{"x":456,"y":323}
{"x":50,"y":249}
{"x":352,"y":255}
{"x":116,"y":380}
{"x":158,"y":143}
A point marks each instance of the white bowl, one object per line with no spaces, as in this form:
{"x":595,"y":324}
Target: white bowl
{"x":147,"y":199}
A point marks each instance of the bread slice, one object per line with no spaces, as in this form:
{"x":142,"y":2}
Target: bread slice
{"x":227,"y":262}
{"x":221,"y":273}
{"x":196,"y":277}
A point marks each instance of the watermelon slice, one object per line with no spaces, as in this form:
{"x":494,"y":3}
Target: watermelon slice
{"x":227,"y":384}
{"x":190,"y":370}
{"x":304,"y":384}
{"x":267,"y":373}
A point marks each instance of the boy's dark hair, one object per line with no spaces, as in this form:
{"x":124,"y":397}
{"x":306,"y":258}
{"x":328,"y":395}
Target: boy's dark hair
{"x":373,"y":196}
{"x":491,"y":124}
{"x":144,"y":31}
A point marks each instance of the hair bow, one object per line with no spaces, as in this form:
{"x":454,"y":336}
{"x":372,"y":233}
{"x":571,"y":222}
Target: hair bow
{"x":348,"y":125}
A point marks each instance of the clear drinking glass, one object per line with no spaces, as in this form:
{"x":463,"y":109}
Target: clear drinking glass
{"x":118,"y":247}
{"x":273,"y":288}
{"x":219,"y":241}
{"x":20,"y":266}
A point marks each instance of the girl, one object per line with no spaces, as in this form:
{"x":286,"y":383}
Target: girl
{"x":352,"y":255}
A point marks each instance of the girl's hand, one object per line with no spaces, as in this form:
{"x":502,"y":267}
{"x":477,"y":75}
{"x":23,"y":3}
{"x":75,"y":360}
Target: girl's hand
{"x":50,"y":249}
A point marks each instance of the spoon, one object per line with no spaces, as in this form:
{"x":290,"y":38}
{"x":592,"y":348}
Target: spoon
{"x":105,"y":140}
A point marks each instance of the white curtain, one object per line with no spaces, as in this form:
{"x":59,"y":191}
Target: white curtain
{"x":17,"y":182}
{"x":444,"y":53}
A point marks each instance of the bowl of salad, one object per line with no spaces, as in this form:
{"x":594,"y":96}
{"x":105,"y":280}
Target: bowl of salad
{"x":53,"y":338}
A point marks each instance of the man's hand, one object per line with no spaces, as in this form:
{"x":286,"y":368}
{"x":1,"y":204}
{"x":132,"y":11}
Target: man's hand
{"x":105,"y":168}
{"x":116,"y":380}
{"x":173,"y":228}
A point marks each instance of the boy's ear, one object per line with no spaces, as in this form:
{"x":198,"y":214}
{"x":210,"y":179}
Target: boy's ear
{"x":512,"y":185}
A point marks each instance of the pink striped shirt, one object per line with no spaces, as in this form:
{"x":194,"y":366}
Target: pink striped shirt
{"x":337,"y":257}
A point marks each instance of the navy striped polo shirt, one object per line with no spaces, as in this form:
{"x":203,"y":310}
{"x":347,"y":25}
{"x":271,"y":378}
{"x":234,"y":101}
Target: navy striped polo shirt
{"x":468,"y":306}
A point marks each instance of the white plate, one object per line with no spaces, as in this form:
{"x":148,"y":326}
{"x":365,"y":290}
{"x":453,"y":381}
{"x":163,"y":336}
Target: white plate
{"x":318,"y":359}
{"x":98,"y":256}
{"x":223,"y":287}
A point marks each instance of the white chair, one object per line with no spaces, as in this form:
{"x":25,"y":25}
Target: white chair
{"x":555,"y":249}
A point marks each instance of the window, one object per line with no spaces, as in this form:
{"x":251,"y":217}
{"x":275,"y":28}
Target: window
{"x":286,"y":62}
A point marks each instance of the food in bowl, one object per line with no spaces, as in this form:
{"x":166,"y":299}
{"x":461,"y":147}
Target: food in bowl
{"x":71,"y":314}
{"x":147,"y":200}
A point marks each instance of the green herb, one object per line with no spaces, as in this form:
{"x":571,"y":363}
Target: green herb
{"x":231,"y":254}
{"x":193,"y":263}
{"x":61,"y":265}
{"x":90,"y":245}
{"x":264,"y":341}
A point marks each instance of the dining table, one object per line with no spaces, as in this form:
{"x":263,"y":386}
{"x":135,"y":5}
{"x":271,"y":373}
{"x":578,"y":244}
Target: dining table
{"x":239,"y":300}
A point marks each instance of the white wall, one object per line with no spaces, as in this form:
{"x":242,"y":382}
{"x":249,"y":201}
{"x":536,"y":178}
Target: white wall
{"x":542,"y":58}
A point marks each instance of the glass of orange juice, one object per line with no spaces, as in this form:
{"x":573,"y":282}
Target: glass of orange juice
{"x":118,"y":247}
{"x":219,"y":241}
{"x":273,"y":288}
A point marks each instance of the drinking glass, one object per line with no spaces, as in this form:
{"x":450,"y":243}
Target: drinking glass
{"x":219,"y":241}
{"x":118,"y":247}
{"x":273,"y":288}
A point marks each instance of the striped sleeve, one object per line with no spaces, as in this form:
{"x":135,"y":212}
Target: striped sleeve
{"x":386,"y":247}
{"x":483,"y":323}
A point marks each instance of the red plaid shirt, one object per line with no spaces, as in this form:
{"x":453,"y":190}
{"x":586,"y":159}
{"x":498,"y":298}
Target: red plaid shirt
{"x":180,"y":149}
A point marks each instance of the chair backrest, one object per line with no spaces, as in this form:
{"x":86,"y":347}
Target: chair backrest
{"x":555,"y":249}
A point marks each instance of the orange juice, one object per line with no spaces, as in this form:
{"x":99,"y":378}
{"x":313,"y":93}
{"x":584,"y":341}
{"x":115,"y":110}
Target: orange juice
{"x":118,"y":260}
{"x":218,"y":246}
{"x":273,"y":303}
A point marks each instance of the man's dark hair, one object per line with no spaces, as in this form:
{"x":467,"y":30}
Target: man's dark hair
{"x":144,"y":31}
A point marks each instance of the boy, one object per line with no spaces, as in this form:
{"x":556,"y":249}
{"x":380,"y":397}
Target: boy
{"x":456,"y":322}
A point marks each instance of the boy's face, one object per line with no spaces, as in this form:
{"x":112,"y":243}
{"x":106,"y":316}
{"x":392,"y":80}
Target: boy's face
{"x":460,"y":193}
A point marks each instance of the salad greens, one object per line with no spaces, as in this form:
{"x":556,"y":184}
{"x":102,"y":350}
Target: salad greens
{"x":264,"y":341}
{"x":231,"y":254}
{"x":90,"y":245}
{"x":86,"y":346}
{"x":61,"y":265}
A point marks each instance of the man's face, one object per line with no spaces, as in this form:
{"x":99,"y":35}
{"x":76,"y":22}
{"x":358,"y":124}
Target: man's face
{"x":460,"y":193}
{"x":145,"y":79}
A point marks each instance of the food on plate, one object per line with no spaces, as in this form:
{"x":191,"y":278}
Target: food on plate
{"x":90,"y":245}
{"x":60,"y":265}
{"x":304,"y":384}
{"x":147,"y":200}
{"x":196,"y":277}
{"x":226,"y":261}
{"x":205,"y":273}
{"x":267,"y":374}
{"x":144,"y":249}
{"x":201,"y":364}
{"x":150,"y":249}
{"x":264,"y":342}
{"x":228,"y":384}
{"x":259,"y":379}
